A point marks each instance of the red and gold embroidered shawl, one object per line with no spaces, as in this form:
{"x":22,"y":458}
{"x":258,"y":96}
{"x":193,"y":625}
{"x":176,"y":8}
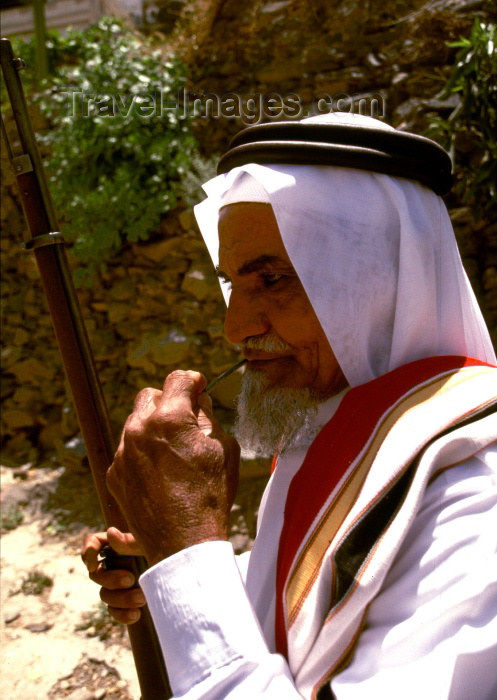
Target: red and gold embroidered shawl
{"x":356,"y":494}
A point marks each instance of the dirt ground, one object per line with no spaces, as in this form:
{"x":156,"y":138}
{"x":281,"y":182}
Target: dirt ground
{"x":57,"y":640}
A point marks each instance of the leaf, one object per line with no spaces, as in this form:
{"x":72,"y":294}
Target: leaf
{"x":115,"y":168}
{"x":470,"y":129}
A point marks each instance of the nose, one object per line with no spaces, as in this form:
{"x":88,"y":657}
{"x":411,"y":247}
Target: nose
{"x":244,"y":318}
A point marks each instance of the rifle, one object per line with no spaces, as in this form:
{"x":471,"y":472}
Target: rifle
{"x":47,"y":245}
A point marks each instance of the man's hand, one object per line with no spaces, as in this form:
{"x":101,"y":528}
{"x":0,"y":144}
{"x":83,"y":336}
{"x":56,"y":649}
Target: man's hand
{"x":119,"y":590}
{"x":175,"y":472}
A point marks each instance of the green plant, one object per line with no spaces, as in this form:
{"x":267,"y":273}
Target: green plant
{"x":99,"y":623}
{"x":35,"y":583}
{"x":10,"y":517}
{"x":470,"y":130}
{"x":201,"y":170}
{"x":119,"y":143}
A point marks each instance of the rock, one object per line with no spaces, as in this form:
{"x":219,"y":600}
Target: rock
{"x":164,"y":349}
{"x":11,"y":616}
{"x":123,"y":290}
{"x":216,"y":331}
{"x":170,"y":349}
{"x":72,"y":453}
{"x":51,"y":437}
{"x":372,"y":61}
{"x":10,"y":355}
{"x":272,"y":7}
{"x":38,"y":628}
{"x":9,"y":179}
{"x":399,"y":78}
{"x":137,"y":356}
{"x":19,"y":444}
{"x":169,"y":226}
{"x":21,"y":337}
{"x":81,"y":694}
{"x":158,"y":251}
{"x":25,"y":395}
{"x":23,"y":472}
{"x":279,"y":72}
{"x":14,"y":418}
{"x":197,"y":284}
{"x":31,"y":370}
{"x":119,"y":312}
{"x":187,"y":220}
{"x":255,"y":468}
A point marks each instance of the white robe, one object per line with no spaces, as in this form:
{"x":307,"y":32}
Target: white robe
{"x":430,"y":632}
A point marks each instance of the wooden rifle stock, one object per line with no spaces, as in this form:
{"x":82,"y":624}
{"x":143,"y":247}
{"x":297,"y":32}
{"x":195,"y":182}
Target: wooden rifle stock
{"x":47,"y":245}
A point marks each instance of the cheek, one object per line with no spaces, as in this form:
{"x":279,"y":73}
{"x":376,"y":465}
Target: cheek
{"x":293,"y":311}
{"x":316,"y":353}
{"x":293,"y":318}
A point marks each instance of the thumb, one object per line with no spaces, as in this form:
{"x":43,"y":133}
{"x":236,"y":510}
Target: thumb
{"x":205,"y":417}
{"x":123,"y":542}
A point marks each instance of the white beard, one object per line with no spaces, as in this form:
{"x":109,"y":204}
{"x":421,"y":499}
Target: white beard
{"x":272,"y":420}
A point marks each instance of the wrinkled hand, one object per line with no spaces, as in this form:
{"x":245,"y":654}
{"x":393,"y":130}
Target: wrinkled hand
{"x":119,"y":590}
{"x":175,"y":472}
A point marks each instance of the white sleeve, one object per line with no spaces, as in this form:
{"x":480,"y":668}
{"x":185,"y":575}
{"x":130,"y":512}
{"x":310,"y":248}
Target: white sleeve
{"x":209,"y":635}
{"x":431,"y":632}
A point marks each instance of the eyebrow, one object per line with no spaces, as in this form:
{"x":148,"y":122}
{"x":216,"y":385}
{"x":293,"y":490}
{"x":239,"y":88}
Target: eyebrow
{"x":255,"y":265}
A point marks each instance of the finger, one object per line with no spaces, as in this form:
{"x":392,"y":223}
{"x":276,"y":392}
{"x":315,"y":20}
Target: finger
{"x":205,"y":403}
{"x":91,"y":547}
{"x":123,"y":599}
{"x":182,"y":388}
{"x":113,"y":579}
{"x":124,"y":616}
{"x":178,"y":406}
{"x":123,"y":543}
{"x":206,"y":420}
{"x":145,"y":404}
{"x":146,"y":401}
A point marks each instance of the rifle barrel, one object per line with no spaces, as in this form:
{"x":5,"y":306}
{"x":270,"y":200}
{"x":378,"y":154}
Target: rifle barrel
{"x":77,"y":356}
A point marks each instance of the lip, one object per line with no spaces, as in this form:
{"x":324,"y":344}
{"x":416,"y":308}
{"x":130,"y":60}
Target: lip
{"x":257,"y":356}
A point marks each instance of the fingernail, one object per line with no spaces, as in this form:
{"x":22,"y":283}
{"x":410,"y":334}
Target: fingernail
{"x":138,"y":598}
{"x":133,"y":616}
{"x":126,"y":581}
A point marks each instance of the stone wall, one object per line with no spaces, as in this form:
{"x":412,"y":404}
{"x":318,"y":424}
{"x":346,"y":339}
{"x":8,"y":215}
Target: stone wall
{"x":398,"y":49}
{"x":158,"y":306}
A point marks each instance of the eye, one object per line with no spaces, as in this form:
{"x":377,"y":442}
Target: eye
{"x":271,"y":279}
{"x":224,"y":279}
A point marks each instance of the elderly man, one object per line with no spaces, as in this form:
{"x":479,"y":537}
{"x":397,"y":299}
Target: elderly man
{"x":373,"y":573}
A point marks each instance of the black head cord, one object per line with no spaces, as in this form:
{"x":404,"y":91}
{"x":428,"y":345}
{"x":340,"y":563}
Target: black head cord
{"x":391,"y":152}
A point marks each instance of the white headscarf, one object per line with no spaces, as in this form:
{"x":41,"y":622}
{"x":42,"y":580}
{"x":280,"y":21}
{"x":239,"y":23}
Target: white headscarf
{"x":375,"y":254}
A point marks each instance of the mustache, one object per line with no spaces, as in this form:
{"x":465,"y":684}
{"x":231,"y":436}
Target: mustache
{"x":266,"y":343}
